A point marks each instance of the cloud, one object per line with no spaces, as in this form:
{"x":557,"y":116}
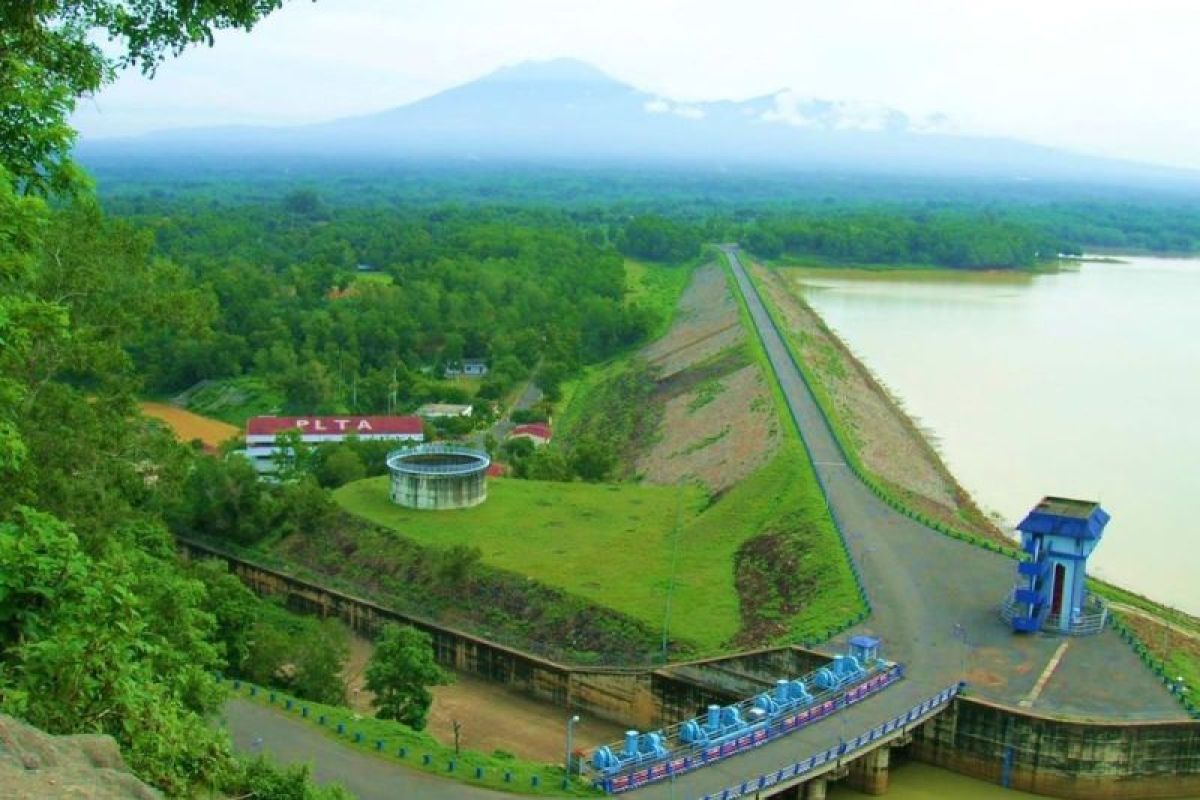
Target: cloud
{"x":790,"y":108}
{"x":660,"y":106}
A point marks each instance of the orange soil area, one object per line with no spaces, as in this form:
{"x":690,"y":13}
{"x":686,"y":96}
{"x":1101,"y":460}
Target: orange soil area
{"x":189,"y":426}
{"x":491,"y":717}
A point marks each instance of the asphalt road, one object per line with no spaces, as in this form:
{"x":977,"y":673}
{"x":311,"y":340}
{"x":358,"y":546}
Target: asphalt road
{"x":934,"y":605}
{"x":367,"y":777}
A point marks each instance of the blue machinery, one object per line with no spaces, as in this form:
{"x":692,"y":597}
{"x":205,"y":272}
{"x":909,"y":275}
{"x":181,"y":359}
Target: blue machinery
{"x":724,"y":731}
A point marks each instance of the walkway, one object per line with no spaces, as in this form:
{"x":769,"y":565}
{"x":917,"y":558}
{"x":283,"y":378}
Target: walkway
{"x":290,"y":741}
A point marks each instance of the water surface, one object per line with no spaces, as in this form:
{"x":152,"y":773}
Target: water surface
{"x":1084,"y":383}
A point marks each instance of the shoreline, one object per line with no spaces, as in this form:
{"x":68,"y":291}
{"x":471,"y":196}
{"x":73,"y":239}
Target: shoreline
{"x":1162,"y":613}
{"x":975,"y":520}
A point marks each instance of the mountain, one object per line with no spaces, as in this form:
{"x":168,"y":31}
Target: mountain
{"x":565,"y":111}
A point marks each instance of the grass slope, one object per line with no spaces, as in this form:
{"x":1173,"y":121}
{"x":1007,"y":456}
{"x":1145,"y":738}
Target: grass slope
{"x":234,"y":400}
{"x":615,"y":544}
{"x":657,"y":287}
{"x":608,"y":543}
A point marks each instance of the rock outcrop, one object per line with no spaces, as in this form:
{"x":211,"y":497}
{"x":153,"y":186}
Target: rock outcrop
{"x":37,"y":766}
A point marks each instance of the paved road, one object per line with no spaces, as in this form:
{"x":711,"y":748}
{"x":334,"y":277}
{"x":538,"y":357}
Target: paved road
{"x":367,"y":777}
{"x":934,"y":607}
{"x":934,"y":598}
{"x":934,"y":601}
{"x":530,"y":396}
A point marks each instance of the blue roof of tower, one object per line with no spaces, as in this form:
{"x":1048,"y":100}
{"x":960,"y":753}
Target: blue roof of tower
{"x":1063,"y":516}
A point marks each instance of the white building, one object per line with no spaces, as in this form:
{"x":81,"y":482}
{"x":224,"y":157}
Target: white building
{"x":470,"y":368}
{"x":442,"y":410}
{"x":261,"y":433}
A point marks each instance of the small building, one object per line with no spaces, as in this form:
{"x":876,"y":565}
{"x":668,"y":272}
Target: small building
{"x":261,"y":448}
{"x":1057,"y":537}
{"x":536,"y":432}
{"x":444,"y":410}
{"x":467,"y":368}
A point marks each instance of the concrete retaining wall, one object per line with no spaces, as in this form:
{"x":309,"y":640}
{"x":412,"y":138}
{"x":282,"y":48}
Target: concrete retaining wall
{"x":1063,"y":758}
{"x":640,"y":697}
{"x":1060,"y":758}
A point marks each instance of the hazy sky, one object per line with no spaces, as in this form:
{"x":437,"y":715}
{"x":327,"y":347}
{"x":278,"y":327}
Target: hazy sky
{"x":1118,"y":78}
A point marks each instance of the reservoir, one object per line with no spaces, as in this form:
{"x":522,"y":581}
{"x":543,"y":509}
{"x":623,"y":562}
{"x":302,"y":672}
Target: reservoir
{"x":1083,"y":382}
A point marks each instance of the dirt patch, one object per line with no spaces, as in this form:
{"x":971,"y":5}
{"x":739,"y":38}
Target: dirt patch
{"x":492,"y":717}
{"x":887,"y":441}
{"x":717,"y":423}
{"x":717,"y":432}
{"x":188,"y":426}
{"x":767,"y":572}
{"x":706,"y":324}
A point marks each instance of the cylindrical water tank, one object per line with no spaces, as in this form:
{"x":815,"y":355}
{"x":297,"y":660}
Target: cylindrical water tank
{"x":631,"y":741}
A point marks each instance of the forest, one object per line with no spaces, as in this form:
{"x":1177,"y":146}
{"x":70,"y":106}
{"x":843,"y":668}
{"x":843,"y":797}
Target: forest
{"x":348,"y":289}
{"x":362,"y":310}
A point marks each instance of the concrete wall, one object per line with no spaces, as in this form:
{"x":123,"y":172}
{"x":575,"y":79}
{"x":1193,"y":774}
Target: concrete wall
{"x":1063,"y":758}
{"x":638,"y":697}
{"x":439,"y":492}
{"x":1060,"y":758}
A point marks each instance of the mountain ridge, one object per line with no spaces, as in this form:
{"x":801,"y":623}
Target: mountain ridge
{"x":563,"y":111}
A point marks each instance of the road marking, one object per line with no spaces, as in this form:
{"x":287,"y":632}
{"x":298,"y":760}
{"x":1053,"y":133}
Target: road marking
{"x":1044,"y":678}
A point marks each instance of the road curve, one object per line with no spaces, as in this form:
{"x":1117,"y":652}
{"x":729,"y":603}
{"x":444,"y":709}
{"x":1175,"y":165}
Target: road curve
{"x":934,"y":607}
{"x":289,"y":741}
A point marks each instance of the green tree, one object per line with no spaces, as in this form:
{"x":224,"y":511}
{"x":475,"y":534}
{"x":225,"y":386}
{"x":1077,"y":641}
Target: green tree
{"x":48,"y":60}
{"x":592,"y":460}
{"x":298,"y":654}
{"x":339,"y":465}
{"x":117,"y":645}
{"x":400,"y":672}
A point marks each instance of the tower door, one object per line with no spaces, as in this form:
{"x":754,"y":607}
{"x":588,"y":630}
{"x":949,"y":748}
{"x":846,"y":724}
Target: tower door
{"x":1056,"y":597}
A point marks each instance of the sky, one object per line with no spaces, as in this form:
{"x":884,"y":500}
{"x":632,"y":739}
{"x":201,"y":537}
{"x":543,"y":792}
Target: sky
{"x":1105,"y":77}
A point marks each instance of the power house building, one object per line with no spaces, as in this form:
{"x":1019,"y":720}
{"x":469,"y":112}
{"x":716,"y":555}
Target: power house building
{"x":261,"y":432}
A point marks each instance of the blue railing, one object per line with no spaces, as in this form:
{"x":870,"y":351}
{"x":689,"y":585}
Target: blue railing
{"x":679,"y":763}
{"x":472,"y":460}
{"x":839,"y":751}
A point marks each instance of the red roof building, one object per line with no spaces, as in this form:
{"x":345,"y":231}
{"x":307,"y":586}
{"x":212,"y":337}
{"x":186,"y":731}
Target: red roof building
{"x":538,"y":432}
{"x":315,"y":430}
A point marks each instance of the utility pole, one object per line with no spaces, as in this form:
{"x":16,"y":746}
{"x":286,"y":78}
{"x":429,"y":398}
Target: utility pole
{"x":567,"y":763}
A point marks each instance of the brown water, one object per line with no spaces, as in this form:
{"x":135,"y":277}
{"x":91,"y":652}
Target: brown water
{"x":1084,"y":383}
{"x":914,"y":781}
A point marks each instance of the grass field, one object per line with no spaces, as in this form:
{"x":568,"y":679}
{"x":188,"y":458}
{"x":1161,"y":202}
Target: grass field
{"x":608,"y":543}
{"x":613,"y":544}
{"x":189,"y":426}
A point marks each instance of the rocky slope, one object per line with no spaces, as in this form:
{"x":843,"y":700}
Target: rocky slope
{"x":37,"y":766}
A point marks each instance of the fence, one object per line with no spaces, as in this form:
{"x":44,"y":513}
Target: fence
{"x":677,"y":763}
{"x":1155,"y":665}
{"x":838,"y":752}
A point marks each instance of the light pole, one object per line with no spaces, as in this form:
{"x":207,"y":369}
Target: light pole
{"x":570,"y":735}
